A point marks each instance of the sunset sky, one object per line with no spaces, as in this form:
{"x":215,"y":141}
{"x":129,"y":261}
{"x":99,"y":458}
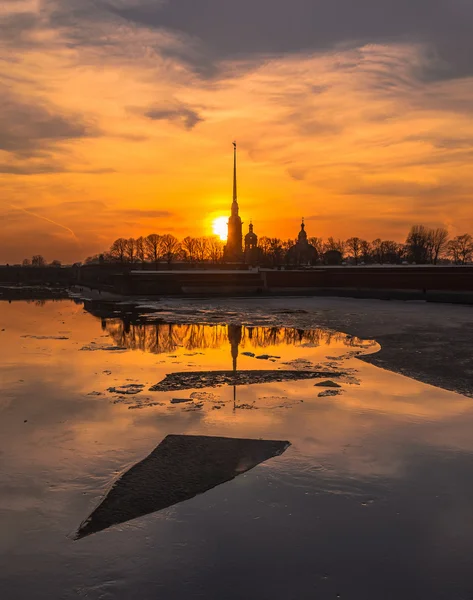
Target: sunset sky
{"x":117,"y":118}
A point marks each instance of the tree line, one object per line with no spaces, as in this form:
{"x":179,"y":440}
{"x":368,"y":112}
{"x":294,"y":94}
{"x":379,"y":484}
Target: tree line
{"x":38,"y":260}
{"x":156,"y":248}
{"x":423,"y":245}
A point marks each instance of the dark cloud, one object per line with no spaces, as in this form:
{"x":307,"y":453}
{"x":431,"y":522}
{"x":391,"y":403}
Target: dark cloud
{"x":181,"y":114}
{"x":452,"y":142}
{"x":247,"y":28}
{"x":25,"y":168}
{"x":213,"y":31}
{"x":17,"y":28}
{"x":405,"y":189}
{"x":27,"y":127}
{"x":32,"y":168}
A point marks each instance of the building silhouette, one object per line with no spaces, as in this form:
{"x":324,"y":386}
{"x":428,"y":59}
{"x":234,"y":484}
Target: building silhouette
{"x":251,"y":247}
{"x":233,"y":251}
{"x":302,"y":253}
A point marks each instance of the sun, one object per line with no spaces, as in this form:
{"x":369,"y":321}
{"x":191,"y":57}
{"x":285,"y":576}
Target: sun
{"x":220,"y":227}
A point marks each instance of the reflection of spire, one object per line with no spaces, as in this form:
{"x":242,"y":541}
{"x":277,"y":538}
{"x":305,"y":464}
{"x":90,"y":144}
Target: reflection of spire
{"x":234,"y":337}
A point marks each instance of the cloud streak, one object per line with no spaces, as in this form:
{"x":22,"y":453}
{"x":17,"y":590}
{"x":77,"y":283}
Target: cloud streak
{"x":43,"y":218}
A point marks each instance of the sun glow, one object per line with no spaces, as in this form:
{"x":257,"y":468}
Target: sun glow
{"x":220,"y":227}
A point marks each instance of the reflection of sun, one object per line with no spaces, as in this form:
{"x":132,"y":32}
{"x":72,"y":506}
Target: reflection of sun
{"x":220,"y":227}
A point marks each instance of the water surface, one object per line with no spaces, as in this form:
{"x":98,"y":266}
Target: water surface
{"x":371,"y":500}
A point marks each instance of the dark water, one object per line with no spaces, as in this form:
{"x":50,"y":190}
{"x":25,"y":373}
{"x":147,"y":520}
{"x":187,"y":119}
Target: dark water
{"x":372,"y":499}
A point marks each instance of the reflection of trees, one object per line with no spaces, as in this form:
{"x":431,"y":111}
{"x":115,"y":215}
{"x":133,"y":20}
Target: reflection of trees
{"x":166,"y":337}
{"x":37,"y":302}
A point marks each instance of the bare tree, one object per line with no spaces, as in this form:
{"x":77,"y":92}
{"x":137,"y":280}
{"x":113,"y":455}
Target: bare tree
{"x":38,"y":260}
{"x":419,"y":244}
{"x":439,"y":241}
{"x":118,"y":249}
{"x":140,"y":249}
{"x":377,"y":250}
{"x":215,"y":249}
{"x":201,"y":248}
{"x":460,"y":249}
{"x":93,"y":260}
{"x":276,"y":251}
{"x":318,"y":244}
{"x":189,"y":248}
{"x":130,"y":250}
{"x":264,"y":246}
{"x":465,"y":245}
{"x":55,"y":263}
{"x":354,"y":248}
{"x":333,"y":244}
{"x":389,"y":252}
{"x":152,"y":245}
{"x":26,"y":262}
{"x":366,"y":251}
{"x":170,"y":247}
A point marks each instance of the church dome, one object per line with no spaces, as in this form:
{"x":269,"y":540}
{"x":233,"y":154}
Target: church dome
{"x":302,"y":237}
{"x":251,"y":237}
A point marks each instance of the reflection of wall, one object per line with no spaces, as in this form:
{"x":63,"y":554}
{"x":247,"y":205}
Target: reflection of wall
{"x":163,"y":338}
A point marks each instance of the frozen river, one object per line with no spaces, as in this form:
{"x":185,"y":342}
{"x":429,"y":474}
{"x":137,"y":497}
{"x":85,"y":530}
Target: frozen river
{"x":372,"y":498}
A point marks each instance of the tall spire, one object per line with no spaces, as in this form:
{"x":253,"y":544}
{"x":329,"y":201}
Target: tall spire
{"x":235,"y":197}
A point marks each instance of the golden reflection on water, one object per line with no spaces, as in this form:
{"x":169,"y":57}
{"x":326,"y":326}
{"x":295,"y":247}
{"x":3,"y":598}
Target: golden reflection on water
{"x":62,"y":391}
{"x":60,"y":366}
{"x":65,"y":437}
{"x":164,"y":338}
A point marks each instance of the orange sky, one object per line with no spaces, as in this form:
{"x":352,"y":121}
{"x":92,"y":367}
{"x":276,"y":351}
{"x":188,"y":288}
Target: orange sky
{"x":126,"y":137}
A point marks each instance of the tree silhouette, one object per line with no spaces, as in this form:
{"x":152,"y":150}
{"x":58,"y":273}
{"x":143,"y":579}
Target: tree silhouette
{"x":118,"y":249}
{"x":201,"y":248}
{"x":423,"y":245}
{"x":130,"y":249}
{"x":38,"y":261}
{"x":460,"y":249}
{"x":418,"y":244}
{"x":337,"y":245}
{"x":189,"y":248}
{"x":170,"y":247}
{"x":152,"y":245}
{"x":439,"y":241}
{"x":215,"y":249}
{"x":353,"y":246}
{"x":140,"y":249}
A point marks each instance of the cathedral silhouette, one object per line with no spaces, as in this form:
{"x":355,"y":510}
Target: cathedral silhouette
{"x":301,"y":253}
{"x":233,"y":251}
